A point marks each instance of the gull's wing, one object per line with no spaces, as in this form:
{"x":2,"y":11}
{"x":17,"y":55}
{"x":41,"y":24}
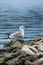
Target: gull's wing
{"x":16,"y":34}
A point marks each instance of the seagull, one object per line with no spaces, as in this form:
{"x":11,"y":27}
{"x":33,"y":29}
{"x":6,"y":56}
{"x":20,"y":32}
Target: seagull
{"x":19,"y":34}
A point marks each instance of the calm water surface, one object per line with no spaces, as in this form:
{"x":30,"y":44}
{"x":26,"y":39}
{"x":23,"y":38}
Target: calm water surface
{"x":11,"y":17}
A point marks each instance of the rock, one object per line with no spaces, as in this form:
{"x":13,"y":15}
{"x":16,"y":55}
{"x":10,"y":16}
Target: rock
{"x":3,"y":64}
{"x":7,"y":45}
{"x":38,"y":39}
{"x":3,"y":50}
{"x":26,"y":49}
{"x":40,"y":47}
{"x":17,"y":44}
{"x":1,"y":60}
{"x":21,"y":52}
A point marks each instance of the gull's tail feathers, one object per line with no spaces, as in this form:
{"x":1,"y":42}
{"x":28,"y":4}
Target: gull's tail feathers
{"x":7,"y":35}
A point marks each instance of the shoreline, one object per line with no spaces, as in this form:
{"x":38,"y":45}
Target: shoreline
{"x":22,"y":52}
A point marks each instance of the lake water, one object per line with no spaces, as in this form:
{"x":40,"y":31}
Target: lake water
{"x":15,"y":13}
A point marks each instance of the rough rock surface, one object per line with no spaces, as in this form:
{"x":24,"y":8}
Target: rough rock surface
{"x":12,"y":53}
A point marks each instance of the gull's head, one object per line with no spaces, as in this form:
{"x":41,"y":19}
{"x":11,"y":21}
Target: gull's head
{"x":22,"y":28}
